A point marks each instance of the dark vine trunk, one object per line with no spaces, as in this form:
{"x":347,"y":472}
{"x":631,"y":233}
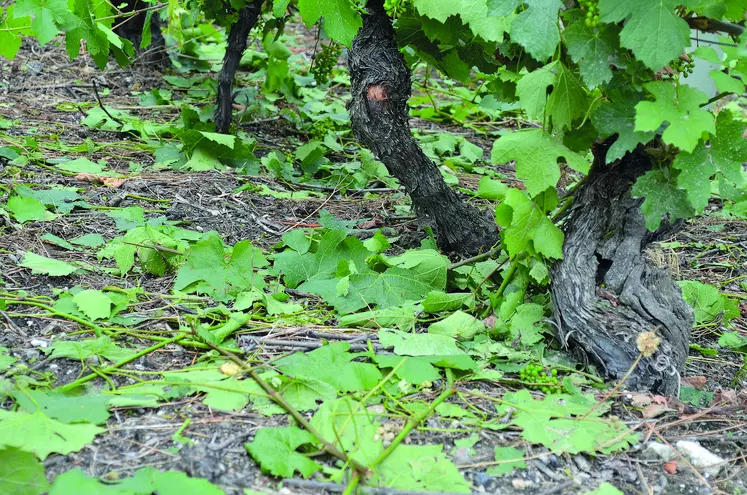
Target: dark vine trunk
{"x":606,"y":292}
{"x":131,"y":28}
{"x":380,"y":87}
{"x":237,"y":39}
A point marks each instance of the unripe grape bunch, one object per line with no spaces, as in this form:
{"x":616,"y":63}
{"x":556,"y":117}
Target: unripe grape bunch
{"x":546,"y":381}
{"x":395,"y":8}
{"x":591,"y":8}
{"x":324,"y":62}
{"x":683,"y":64}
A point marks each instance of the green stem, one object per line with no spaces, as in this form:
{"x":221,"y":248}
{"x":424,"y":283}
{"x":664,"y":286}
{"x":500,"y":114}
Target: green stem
{"x":114,"y":367}
{"x":414,"y":421}
{"x":96,"y":329}
{"x":300,"y":419}
{"x":475,"y":259}
{"x":146,"y":198}
{"x":727,"y":282}
{"x":507,"y":279}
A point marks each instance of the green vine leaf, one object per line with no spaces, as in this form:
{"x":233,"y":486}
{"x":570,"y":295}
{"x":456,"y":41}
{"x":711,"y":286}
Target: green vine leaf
{"x":348,"y":425}
{"x":559,"y":423}
{"x":536,"y":154}
{"x":47,"y":266}
{"x":420,"y":468}
{"x":21,"y":473}
{"x":275,"y":451}
{"x":510,"y":458}
{"x":662,"y":198}
{"x":653,"y":31}
{"x":332,"y":364}
{"x":334,"y":247}
{"x":341,"y":19}
{"x":208,"y":272}
{"x":42,"y":435}
{"x":680,"y":107}
{"x":93,"y":303}
{"x":12,"y":27}
{"x":594,"y":49}
{"x":45,"y":14}
{"x":725,"y":155}
{"x":566,"y":102}
{"x":617,"y":116}
{"x":532,"y":90}
{"x":526,"y":228}
{"x":536,"y":28}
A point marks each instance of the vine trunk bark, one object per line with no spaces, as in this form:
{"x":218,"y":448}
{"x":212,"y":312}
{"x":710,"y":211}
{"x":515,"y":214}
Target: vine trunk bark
{"x":606,"y":291}
{"x":130,"y":27}
{"x":380,"y":87}
{"x":237,"y":39}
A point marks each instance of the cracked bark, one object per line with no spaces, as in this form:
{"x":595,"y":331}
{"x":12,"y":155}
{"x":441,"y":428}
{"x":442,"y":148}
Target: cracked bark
{"x":605,"y":239}
{"x":380,"y":87}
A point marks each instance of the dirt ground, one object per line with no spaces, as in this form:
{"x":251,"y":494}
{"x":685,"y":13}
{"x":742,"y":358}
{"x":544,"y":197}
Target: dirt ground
{"x":32,"y":89}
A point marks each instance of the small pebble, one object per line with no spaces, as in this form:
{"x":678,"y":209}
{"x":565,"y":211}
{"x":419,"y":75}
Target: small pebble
{"x":39,"y":343}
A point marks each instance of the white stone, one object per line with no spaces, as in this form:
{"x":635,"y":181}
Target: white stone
{"x":656,"y":450}
{"x":700,"y":457}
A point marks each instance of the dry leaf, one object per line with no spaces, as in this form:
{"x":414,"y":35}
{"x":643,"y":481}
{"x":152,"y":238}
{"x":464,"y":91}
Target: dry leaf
{"x":371,"y":224}
{"x":638,"y":399}
{"x":724,"y":397}
{"x":490,"y":321}
{"x":97,"y":179}
{"x":92,"y":178}
{"x":654,"y":410}
{"x":697,"y":382}
{"x":112,"y":182}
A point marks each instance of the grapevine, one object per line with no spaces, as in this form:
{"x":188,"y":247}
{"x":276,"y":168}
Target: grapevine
{"x":591,"y":7}
{"x":395,"y":8}
{"x":324,"y":62}
{"x":683,"y":65}
{"x":539,"y":379}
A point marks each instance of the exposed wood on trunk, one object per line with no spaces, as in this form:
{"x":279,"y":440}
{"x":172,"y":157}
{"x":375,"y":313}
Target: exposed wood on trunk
{"x":237,"y":39}
{"x":380,"y":86}
{"x":605,"y":292}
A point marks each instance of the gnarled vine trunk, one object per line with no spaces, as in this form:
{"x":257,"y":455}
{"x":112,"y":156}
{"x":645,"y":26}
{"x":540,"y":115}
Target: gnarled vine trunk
{"x":131,"y":28}
{"x":237,"y":39}
{"x":380,"y":87}
{"x":605,"y":292}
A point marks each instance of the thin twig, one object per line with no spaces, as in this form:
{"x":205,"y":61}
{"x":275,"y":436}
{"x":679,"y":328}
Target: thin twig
{"x":475,"y":259}
{"x":98,"y":98}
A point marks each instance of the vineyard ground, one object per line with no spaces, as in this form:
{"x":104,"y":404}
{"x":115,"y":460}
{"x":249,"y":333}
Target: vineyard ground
{"x":42,"y":80}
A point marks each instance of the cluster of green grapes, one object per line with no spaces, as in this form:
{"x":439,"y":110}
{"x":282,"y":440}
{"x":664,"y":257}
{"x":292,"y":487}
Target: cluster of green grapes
{"x":547,"y":382}
{"x":320,"y":128}
{"x":324,"y":62}
{"x":395,"y":8}
{"x":592,"y":12}
{"x":682,"y":65}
